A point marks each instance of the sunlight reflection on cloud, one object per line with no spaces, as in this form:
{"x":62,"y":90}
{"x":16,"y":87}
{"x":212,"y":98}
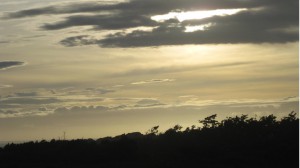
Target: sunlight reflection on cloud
{"x":190,"y":15}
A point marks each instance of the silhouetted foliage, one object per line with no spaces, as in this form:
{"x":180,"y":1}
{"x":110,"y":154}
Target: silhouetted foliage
{"x":153,"y":131}
{"x":234,"y":142}
{"x":210,"y":122}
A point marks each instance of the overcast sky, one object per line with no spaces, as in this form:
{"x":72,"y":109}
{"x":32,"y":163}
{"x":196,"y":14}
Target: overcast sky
{"x":102,"y":68}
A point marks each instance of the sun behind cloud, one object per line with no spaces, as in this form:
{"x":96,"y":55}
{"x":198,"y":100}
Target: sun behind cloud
{"x":191,"y":15}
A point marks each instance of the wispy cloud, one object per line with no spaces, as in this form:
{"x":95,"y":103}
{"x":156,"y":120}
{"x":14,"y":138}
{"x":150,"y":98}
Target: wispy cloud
{"x":152,"y":81}
{"x":181,"y":68}
{"x":5,"y":86}
{"x":149,"y":103}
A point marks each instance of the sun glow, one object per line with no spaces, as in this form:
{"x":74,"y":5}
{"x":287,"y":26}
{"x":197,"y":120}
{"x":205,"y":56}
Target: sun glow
{"x":182,"y":16}
{"x":199,"y":27}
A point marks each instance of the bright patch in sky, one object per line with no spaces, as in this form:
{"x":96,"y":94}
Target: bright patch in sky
{"x":196,"y":28}
{"x":182,"y":16}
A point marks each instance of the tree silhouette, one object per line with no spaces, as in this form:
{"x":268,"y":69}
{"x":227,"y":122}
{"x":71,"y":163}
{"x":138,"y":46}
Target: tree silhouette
{"x":153,"y":131}
{"x":210,"y":121}
{"x":234,"y":142}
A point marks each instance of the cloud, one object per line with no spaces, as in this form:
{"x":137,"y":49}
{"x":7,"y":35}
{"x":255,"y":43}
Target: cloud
{"x":26,"y":94}
{"x":45,"y":101}
{"x":83,"y":110}
{"x":102,"y":22}
{"x":34,"y":36}
{"x":276,"y":108}
{"x":42,"y":109}
{"x":59,"y":9}
{"x":10,"y":64}
{"x":148,"y":103}
{"x":5,"y":86}
{"x":264,"y":21}
{"x":80,"y":109}
{"x":152,"y":81}
{"x":242,"y":103}
{"x":100,"y":90}
{"x":175,"y":69}
{"x":9,"y":106}
{"x":78,"y":41}
{"x":139,"y":7}
{"x":4,"y":42}
{"x":29,"y":101}
{"x":244,"y":27}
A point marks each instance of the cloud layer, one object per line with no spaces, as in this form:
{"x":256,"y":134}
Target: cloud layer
{"x":264,"y":21}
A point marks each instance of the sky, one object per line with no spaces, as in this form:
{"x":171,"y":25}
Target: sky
{"x":95,"y":68}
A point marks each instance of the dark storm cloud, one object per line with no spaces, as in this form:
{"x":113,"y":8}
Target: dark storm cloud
{"x":10,"y":64}
{"x":267,"y":21}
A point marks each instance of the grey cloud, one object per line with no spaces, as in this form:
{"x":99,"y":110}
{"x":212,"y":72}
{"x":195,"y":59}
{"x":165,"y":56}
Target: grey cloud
{"x":100,"y":90}
{"x":80,"y":109}
{"x":7,"y":106}
{"x":245,"y":27}
{"x":4,"y":42}
{"x":10,"y":112}
{"x":30,"y":101}
{"x":10,"y":64}
{"x":29,"y":12}
{"x":59,"y":9}
{"x":26,"y":94}
{"x":111,"y":22}
{"x":78,"y":41}
{"x":42,"y":109}
{"x":144,"y":7}
{"x":265,"y":25}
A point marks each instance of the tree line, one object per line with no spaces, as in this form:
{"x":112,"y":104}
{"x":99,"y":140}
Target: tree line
{"x":233,"y":142}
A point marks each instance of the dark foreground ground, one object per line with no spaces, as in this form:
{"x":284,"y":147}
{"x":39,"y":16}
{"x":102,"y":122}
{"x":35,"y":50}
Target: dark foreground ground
{"x":232,"y":143}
